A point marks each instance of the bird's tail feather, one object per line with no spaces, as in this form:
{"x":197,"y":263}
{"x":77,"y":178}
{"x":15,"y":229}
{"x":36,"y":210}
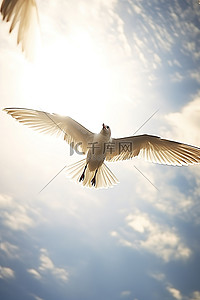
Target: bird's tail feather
{"x":104,"y":177}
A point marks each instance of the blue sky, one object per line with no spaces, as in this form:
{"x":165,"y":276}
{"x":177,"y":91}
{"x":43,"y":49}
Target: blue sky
{"x":115,"y":62}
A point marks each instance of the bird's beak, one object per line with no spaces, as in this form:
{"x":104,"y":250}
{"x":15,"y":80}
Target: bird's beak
{"x":104,"y":127}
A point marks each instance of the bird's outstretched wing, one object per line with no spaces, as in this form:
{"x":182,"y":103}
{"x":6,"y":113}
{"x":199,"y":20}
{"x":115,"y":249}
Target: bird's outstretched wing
{"x":153,"y":149}
{"x":25,"y":13}
{"x":53,"y":123}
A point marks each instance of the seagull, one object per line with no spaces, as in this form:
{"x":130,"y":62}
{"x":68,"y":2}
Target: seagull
{"x":25,"y":13}
{"x":99,"y":147}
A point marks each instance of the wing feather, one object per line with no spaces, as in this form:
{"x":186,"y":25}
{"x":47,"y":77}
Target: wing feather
{"x":25,"y":13}
{"x":53,"y":124}
{"x":154,"y":149}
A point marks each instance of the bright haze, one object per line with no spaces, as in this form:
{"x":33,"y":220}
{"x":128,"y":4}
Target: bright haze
{"x":112,"y":62}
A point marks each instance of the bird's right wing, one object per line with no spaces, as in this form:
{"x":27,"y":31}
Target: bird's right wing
{"x":25,"y":12}
{"x":153,"y":149}
{"x":53,"y":123}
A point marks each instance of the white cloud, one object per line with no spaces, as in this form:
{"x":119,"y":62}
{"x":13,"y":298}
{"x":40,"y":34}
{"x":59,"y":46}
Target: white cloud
{"x":175,"y":293}
{"x":186,"y":123}
{"x":170,"y":199}
{"x":35,"y":273}
{"x":157,"y":59}
{"x":6,"y":273}
{"x":158,"y":276}
{"x":47,"y":265}
{"x":114,"y":233}
{"x":157,"y":238}
{"x":179,"y":188}
{"x":18,"y":220}
{"x":195,"y":74}
{"x":136,"y":8}
{"x":88,"y":16}
{"x":177,"y":77}
{"x":163,"y":38}
{"x":10,"y":249}
{"x":36,"y":297}
{"x":190,"y":46}
{"x":46,"y":262}
{"x":18,"y":215}
{"x":125,"y":293}
{"x":195,"y":296}
{"x":142,"y":51}
{"x":174,"y":62}
{"x":5,"y":201}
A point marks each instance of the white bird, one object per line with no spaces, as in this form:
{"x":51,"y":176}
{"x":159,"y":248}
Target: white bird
{"x":25,"y":13}
{"x":92,"y":170}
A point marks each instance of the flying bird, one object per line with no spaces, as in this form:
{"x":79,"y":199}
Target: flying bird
{"x":98,"y":148}
{"x":25,"y":13}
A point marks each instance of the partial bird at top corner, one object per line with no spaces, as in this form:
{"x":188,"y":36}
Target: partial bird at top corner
{"x":24,"y":14}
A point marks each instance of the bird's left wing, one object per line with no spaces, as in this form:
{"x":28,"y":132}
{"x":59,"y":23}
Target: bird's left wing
{"x":153,"y":149}
{"x":25,"y":13}
{"x":53,"y":123}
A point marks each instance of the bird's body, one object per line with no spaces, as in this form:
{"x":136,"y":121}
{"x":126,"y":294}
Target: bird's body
{"x":96,"y":154}
{"x":92,"y":170}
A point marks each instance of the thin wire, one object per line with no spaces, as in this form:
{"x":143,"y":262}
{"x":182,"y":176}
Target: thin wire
{"x":146,"y":178}
{"x":54,"y":122}
{"x":134,"y":165}
{"x":52,"y":179}
{"x":146,"y":121}
{"x":48,"y":116}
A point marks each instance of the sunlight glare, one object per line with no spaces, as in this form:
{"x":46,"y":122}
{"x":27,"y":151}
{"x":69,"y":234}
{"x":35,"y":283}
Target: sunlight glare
{"x":68,"y":75}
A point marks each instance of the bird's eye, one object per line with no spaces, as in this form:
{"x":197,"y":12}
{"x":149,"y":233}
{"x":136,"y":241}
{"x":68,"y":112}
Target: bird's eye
{"x":107,"y":127}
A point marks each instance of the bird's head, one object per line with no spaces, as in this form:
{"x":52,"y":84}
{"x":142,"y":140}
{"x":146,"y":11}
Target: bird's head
{"x":106,"y":130}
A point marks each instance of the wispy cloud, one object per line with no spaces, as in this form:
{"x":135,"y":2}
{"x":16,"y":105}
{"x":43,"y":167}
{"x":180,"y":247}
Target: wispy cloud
{"x":195,"y":296}
{"x":47,"y":265}
{"x":177,"y":77}
{"x":18,"y":220}
{"x":125,"y":294}
{"x":195,"y":75}
{"x":9,"y":249}
{"x":35,"y":273}
{"x":174,"y":63}
{"x":17,"y":215}
{"x":175,"y":293}
{"x":153,"y":237}
{"x":6,"y":273}
{"x":158,"y":276}
{"x":185,"y":123}
{"x":36,"y":297}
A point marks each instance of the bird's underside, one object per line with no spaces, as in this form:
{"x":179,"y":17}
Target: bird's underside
{"x":92,"y":172}
{"x":100,"y":178}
